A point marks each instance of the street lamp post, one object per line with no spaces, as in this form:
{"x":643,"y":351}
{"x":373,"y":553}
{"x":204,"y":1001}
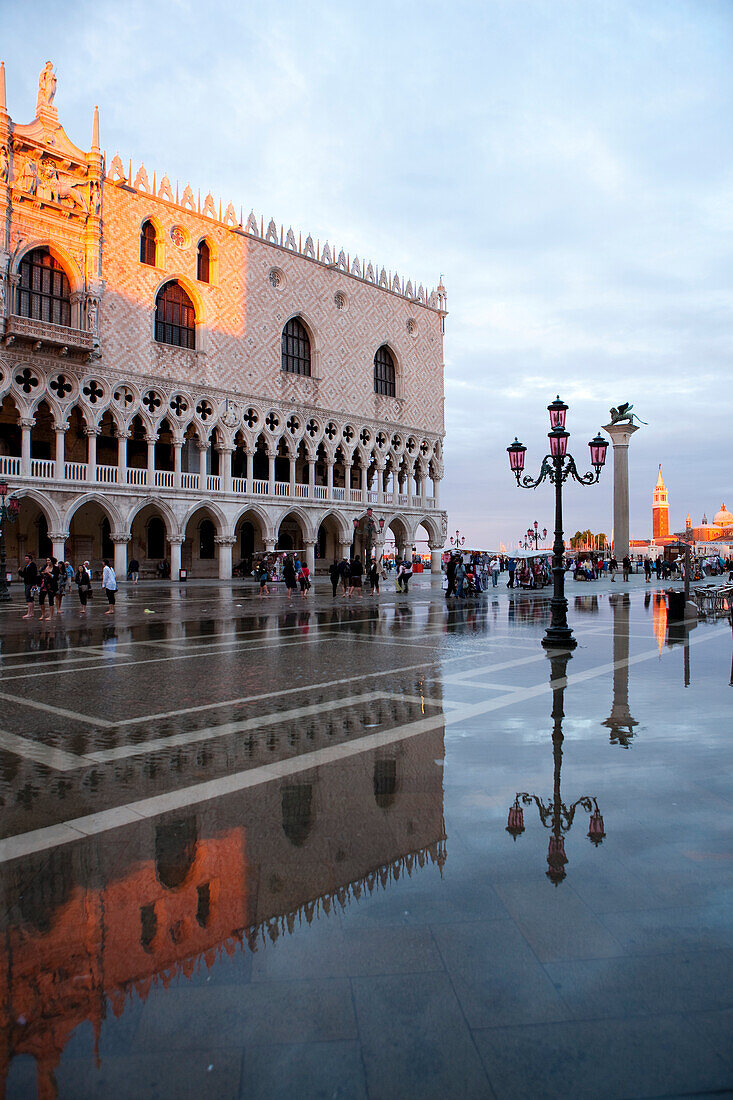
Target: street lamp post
{"x":533,"y":536}
{"x":371,"y":530}
{"x":558,"y":465}
{"x":553,"y":813}
{"x":457,"y":540}
{"x":8,"y":514}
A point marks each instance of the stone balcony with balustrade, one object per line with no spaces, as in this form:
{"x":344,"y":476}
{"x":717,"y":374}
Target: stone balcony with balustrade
{"x":43,"y":472}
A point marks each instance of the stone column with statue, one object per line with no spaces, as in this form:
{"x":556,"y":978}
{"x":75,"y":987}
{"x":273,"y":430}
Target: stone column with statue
{"x":621,"y":428}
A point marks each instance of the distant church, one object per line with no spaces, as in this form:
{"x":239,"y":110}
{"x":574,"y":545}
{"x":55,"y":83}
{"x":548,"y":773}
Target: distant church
{"x":721,"y":529}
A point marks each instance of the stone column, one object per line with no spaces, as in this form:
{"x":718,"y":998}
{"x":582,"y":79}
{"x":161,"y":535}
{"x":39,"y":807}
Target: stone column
{"x":620,"y":722}
{"x":436,"y":555}
{"x":58,"y":543}
{"x":347,"y":481}
{"x":120,"y":544}
{"x":60,"y":430}
{"x":310,"y":556}
{"x":292,"y":474}
{"x":395,"y":486}
{"x":176,"y":542}
{"x":177,"y":448}
{"x":269,"y":546}
{"x":151,"y":440}
{"x":92,"y":434}
{"x":225,"y":544}
{"x":225,"y":467}
{"x":311,"y":478}
{"x":249,"y":456}
{"x":329,"y":478}
{"x":436,"y":491}
{"x":203,"y":449}
{"x":271,"y":473}
{"x":122,"y":438}
{"x":379,"y":482}
{"x":620,"y":435}
{"x":26,"y":423}
{"x":364,"y":486}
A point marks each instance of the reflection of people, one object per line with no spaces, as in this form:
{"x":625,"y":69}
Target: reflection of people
{"x":46,"y":86}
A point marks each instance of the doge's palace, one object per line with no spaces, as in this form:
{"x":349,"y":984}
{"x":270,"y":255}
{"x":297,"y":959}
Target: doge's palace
{"x":182,"y":382}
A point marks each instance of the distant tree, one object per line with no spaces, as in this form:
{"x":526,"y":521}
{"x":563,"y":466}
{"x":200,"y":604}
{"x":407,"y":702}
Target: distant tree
{"x":588,"y":539}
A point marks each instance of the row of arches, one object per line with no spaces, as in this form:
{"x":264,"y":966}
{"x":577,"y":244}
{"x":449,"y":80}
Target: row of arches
{"x":204,"y":540}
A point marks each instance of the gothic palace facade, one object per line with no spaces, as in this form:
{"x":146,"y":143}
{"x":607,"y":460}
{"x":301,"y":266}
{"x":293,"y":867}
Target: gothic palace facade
{"x":184,"y":384}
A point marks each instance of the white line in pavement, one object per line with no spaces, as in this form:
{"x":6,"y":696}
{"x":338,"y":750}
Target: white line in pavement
{"x":36,"y":704}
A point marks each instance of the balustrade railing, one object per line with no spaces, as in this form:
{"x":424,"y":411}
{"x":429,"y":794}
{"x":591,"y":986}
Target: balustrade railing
{"x":320,"y":492}
{"x":355,"y":496}
{"x":189,"y":481}
{"x":282,"y":488}
{"x":239,"y":485}
{"x":9,"y":466}
{"x":76,"y":471}
{"x":43,"y":467}
{"x":107,"y":475}
{"x":372,"y":497}
{"x":260,"y":488}
{"x":338,"y":493}
{"x":135,"y":475}
{"x":213,"y":483}
{"x":403,"y":499}
{"x":301,"y":491}
{"x":164,"y":479}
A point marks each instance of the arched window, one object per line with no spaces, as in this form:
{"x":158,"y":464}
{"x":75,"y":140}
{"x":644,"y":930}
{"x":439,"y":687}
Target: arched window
{"x":384,"y":372}
{"x":148,"y":244}
{"x":175,"y":317}
{"x":202,"y":263}
{"x":207,"y":534}
{"x":43,"y":289}
{"x":296,"y":348}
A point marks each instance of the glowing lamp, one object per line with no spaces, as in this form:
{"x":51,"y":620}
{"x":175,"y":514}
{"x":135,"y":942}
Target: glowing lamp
{"x":557,"y":410}
{"x":598,"y":448}
{"x":558,"y":442}
{"x":516,"y":456}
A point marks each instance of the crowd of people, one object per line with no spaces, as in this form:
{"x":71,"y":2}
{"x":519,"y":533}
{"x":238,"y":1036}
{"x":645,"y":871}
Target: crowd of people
{"x":349,"y":576}
{"x":50,"y":583}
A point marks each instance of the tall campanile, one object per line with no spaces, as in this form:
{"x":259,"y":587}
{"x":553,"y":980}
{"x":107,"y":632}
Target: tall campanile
{"x":660,"y":509}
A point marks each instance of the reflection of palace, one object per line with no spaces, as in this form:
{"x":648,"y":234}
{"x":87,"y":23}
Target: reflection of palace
{"x":187,"y":383}
{"x":82,"y":934}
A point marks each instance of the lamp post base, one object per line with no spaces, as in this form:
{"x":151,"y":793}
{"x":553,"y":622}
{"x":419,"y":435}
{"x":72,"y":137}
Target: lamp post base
{"x":558,"y":637}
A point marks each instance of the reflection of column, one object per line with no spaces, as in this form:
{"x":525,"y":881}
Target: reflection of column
{"x":225,"y":544}
{"x":176,"y":542}
{"x":120,"y":544}
{"x":26,"y":423}
{"x":620,"y":723}
{"x":620,"y":435}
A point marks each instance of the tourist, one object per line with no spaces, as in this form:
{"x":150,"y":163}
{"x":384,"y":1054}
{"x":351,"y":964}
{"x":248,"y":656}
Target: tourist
{"x":495,"y":567}
{"x":647,"y":570}
{"x":460,"y":577}
{"x":333,"y":572}
{"x":344,"y":574}
{"x":374,"y":578}
{"x":626,"y":566}
{"x":263,"y":577}
{"x":289,"y":577}
{"x":304,"y":576}
{"x":404,"y":573}
{"x":450,"y":572}
{"x":47,"y":587}
{"x":355,"y":575}
{"x":83,"y":581}
{"x":109,"y":584}
{"x":29,"y":576}
{"x":133,"y":571}
{"x":612,"y":567}
{"x":62,"y":584}
{"x":511,"y":568}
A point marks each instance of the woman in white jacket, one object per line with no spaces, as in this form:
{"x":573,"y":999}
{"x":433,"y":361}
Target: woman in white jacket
{"x":109,"y":584}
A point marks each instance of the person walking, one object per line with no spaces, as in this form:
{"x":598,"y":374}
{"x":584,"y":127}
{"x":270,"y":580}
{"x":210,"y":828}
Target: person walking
{"x":289,"y":576}
{"x":511,"y":568}
{"x":304,"y":576}
{"x":460,"y":577}
{"x":83,"y":581}
{"x":62,"y":584}
{"x":109,"y":584}
{"x":333,"y":572}
{"x":495,"y":567}
{"x":403,"y":575}
{"x":29,"y":576}
{"x":47,"y":587}
{"x":344,"y":574}
{"x":626,"y":566}
{"x":355,"y":574}
{"x":612,"y":567}
{"x":374,"y":578}
{"x":133,"y":570}
{"x":263,"y":577}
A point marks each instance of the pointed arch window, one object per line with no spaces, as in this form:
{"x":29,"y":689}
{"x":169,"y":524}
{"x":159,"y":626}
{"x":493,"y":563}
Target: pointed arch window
{"x":203,"y":263}
{"x":384,"y":372}
{"x":148,"y":244}
{"x":43,"y":289}
{"x":296,"y":348}
{"x":175,"y":317}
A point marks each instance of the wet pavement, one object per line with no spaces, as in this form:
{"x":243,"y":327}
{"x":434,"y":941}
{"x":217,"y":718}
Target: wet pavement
{"x":259,"y":850}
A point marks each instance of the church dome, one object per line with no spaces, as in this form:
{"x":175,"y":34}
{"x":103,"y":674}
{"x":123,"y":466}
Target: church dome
{"x":723,"y":518}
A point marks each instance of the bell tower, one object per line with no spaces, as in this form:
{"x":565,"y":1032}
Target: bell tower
{"x":660,"y":509}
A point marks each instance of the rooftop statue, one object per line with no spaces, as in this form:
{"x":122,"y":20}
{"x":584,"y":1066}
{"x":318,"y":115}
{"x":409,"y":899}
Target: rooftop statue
{"x":46,"y":87}
{"x":623,"y":414}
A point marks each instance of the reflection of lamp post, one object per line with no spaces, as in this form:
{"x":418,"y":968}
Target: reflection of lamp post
{"x":533,"y":536}
{"x":558,"y":466}
{"x":8,"y":514}
{"x":371,"y":530}
{"x":555,"y":815}
{"x":620,"y":722}
{"x":458,"y":541}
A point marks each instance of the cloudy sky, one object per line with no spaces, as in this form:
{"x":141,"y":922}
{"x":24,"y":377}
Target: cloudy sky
{"x":565,"y":164}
